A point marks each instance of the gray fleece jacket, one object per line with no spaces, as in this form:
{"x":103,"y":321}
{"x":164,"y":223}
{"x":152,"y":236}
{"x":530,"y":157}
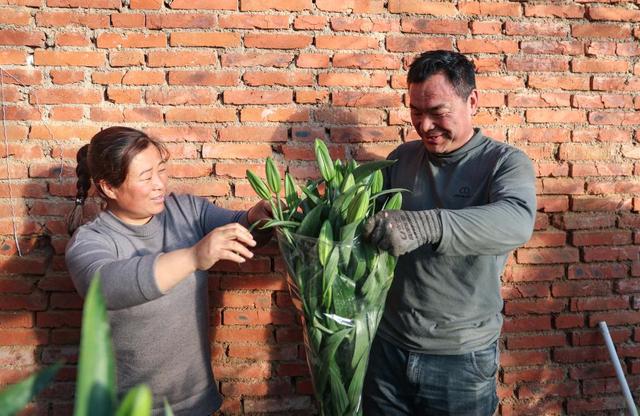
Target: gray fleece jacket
{"x":445,"y":298}
{"x":159,"y":339}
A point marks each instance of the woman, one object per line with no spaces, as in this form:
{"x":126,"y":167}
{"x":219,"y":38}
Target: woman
{"x":152,"y":250}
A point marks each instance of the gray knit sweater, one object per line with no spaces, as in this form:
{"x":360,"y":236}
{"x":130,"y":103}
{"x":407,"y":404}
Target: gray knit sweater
{"x":445,"y":298}
{"x":159,"y":339}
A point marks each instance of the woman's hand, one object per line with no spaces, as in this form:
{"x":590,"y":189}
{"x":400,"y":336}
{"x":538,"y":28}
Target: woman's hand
{"x":228,"y":242}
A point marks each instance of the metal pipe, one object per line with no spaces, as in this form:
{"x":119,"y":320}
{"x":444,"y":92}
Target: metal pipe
{"x":633,"y":411}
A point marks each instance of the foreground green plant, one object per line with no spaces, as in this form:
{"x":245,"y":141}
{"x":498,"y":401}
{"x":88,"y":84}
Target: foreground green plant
{"x":96,"y":381}
{"x":337,"y":281}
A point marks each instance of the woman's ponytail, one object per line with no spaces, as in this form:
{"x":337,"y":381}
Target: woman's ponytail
{"x":75,"y":217}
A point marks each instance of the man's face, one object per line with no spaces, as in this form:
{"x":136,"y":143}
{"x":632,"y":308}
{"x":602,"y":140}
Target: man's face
{"x":442,"y":119}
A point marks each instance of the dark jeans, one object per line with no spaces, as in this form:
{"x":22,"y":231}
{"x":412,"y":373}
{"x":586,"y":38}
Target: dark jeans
{"x":400,"y":382}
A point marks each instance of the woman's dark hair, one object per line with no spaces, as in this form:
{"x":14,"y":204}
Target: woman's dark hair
{"x":459,"y":70}
{"x":107,"y":158}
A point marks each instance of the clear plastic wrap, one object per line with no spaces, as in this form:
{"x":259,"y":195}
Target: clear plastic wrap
{"x":339,"y":291}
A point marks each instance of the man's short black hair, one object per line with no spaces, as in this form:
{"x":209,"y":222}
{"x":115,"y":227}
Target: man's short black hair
{"x":459,"y":70}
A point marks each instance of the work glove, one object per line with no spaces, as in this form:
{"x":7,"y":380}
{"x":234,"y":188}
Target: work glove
{"x":401,"y":232}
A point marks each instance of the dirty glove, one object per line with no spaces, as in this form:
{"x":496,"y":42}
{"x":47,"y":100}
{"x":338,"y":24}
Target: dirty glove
{"x":403,"y":231}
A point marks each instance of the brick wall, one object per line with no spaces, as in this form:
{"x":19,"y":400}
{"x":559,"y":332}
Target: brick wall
{"x":226,"y":83}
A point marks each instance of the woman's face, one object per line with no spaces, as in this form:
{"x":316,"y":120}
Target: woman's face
{"x":141,"y":195}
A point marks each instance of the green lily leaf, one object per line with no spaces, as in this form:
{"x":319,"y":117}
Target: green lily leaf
{"x":96,"y":381}
{"x":137,"y":402}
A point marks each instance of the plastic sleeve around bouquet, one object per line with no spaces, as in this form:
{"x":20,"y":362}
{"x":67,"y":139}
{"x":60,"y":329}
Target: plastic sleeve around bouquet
{"x":339,"y":291}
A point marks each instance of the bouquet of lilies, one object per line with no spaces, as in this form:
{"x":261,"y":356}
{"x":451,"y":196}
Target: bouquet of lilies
{"x":338,"y":282}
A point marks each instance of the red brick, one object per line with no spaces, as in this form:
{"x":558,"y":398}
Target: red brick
{"x":279,"y":5}
{"x":275,"y":114}
{"x":486,"y":27}
{"x":205,"y":189}
{"x":424,"y":7}
{"x":277,"y":41}
{"x":595,"y":48}
{"x":351,"y":6}
{"x":126,"y":58}
{"x":565,"y":82}
{"x":365,"y":61}
{"x":15,"y":17}
{"x":536,"y":341}
{"x":209,"y":39}
{"x":599,"y":65}
{"x":97,"y":4}
{"x":536,"y":29}
{"x":538,"y":100}
{"x":312,"y":60}
{"x":487,"y":46}
{"x":613,"y":13}
{"x":181,"y":21}
{"x":420,"y":25}
{"x":201,"y":115}
{"x":365,"y":25}
{"x":21,"y":38}
{"x":350,"y":79}
{"x":243,"y":21}
{"x":555,"y":116}
{"x":615,"y":84}
{"x":208,"y":78}
{"x":580,"y":288}
{"x":180,"y":58}
{"x":617,"y":118}
{"x":66,"y":96}
{"x":543,"y":374}
{"x":600,"y":30}
{"x":412,"y":43}
{"x":490,"y":9}
{"x":600,"y":304}
{"x":59,"y":76}
{"x":179,"y":96}
{"x":522,"y":358}
{"x":287,"y":78}
{"x":146,"y":4}
{"x":547,"y":255}
{"x":529,"y":64}
{"x":128,"y":20}
{"x":68,"y":58}
{"x":260,"y":134}
{"x":131,"y":40}
{"x":257,"y":97}
{"x":205,"y":4}
{"x":565,"y":321}
{"x":552,"y":47}
{"x":235,"y":151}
{"x":307,"y":22}
{"x":567,"y":11}
{"x":107,"y":78}
{"x":363,"y":134}
{"x":564,"y":389}
{"x":540,"y":135}
{"x":539,"y":306}
{"x":610,"y":253}
{"x":62,"y":19}
{"x":23,"y":337}
{"x":490,"y":82}
{"x":143,"y":77}
{"x":11,"y":56}
{"x":357,"y":99}
{"x":346,"y":42}
{"x":311,"y":97}
{"x":278,"y":60}
{"x":124,"y":95}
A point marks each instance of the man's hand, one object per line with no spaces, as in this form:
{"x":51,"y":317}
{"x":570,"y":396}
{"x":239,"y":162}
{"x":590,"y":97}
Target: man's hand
{"x":403,"y":231}
{"x":259,"y":212}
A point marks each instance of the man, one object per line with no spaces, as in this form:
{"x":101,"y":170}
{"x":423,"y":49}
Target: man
{"x":471,"y":201}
